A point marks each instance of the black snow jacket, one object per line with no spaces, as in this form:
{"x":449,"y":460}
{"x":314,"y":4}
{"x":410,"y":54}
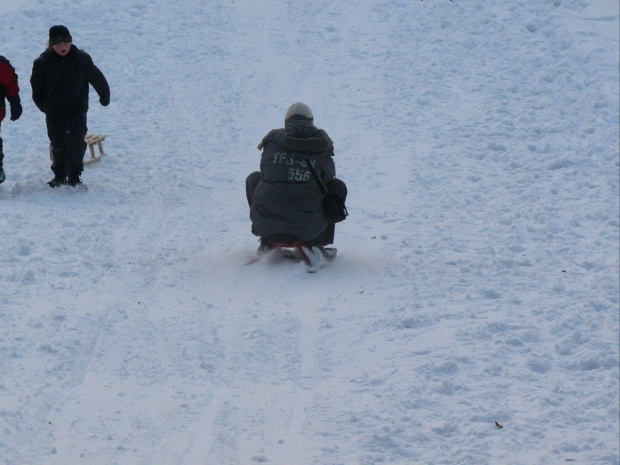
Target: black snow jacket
{"x":61,"y":83}
{"x":288,"y":199}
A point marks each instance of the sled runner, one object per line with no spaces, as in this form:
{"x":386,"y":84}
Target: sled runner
{"x":91,"y":140}
{"x":313,"y":257}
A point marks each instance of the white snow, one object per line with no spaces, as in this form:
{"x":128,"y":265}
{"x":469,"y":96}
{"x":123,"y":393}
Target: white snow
{"x":11,"y":5}
{"x":477,"y":279}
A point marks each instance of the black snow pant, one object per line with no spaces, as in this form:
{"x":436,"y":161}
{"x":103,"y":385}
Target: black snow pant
{"x":66,"y":131}
{"x":2,"y":174}
{"x":251,"y":183}
{"x":335,"y":186}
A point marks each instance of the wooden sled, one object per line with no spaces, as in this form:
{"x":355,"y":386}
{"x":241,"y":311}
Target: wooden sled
{"x":91,"y":140}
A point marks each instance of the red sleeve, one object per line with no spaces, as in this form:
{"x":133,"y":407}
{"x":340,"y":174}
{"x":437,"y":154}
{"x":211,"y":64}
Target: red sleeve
{"x":8,"y":80}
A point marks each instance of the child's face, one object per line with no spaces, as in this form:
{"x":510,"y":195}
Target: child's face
{"x":62,"y":48}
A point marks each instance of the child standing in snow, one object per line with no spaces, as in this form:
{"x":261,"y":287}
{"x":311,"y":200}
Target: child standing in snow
{"x":60,"y":80}
{"x":9,"y":90}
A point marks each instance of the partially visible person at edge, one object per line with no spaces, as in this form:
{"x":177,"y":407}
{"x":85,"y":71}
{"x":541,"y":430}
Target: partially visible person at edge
{"x":60,"y":83}
{"x":9,"y":90}
{"x":284,"y":197}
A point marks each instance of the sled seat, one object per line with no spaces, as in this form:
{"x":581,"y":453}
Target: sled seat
{"x":285,"y":241}
{"x":92,"y":140}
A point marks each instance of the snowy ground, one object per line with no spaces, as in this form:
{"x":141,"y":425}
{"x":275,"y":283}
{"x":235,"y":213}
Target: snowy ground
{"x":477,"y":277}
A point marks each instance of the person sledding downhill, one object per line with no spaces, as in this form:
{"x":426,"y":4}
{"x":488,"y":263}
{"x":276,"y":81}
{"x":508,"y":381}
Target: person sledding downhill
{"x":60,"y":82}
{"x":297,"y":170}
{"x":9,"y":90}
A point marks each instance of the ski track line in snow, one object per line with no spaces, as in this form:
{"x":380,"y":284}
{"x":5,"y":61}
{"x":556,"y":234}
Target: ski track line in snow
{"x":260,"y":350}
{"x":269,"y":370}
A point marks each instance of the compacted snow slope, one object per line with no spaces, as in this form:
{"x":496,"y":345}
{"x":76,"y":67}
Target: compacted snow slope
{"x":477,"y":277}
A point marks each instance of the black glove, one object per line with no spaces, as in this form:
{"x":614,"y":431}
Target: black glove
{"x":104,"y":101}
{"x":16,"y":107}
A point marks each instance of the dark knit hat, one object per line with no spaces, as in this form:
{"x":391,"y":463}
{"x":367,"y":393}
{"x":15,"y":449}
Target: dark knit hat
{"x":59,"y":34}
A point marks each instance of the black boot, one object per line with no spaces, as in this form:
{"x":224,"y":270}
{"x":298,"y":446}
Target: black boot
{"x":2,"y":174}
{"x":264,"y":247}
{"x":74,"y":180}
{"x":60,"y":173}
{"x":59,"y":180}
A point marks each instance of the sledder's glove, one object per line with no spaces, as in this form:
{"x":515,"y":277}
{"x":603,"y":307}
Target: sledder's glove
{"x":104,"y":101}
{"x":16,"y":107}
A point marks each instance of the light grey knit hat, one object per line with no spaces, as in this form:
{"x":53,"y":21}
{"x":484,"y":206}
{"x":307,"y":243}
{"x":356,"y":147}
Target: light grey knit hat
{"x":299,"y":109}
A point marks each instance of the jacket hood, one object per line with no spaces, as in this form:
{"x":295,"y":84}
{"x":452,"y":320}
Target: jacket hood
{"x":300,"y":136}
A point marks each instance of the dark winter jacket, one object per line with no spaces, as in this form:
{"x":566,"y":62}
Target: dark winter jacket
{"x":9,"y":88}
{"x":288,"y":199}
{"x":61,"y":83}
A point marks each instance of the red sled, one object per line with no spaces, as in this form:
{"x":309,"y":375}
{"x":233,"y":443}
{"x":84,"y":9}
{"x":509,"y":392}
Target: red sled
{"x":313,"y":256}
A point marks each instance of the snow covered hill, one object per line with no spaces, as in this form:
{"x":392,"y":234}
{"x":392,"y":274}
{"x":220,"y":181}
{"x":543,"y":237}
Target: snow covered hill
{"x":471,"y":316}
